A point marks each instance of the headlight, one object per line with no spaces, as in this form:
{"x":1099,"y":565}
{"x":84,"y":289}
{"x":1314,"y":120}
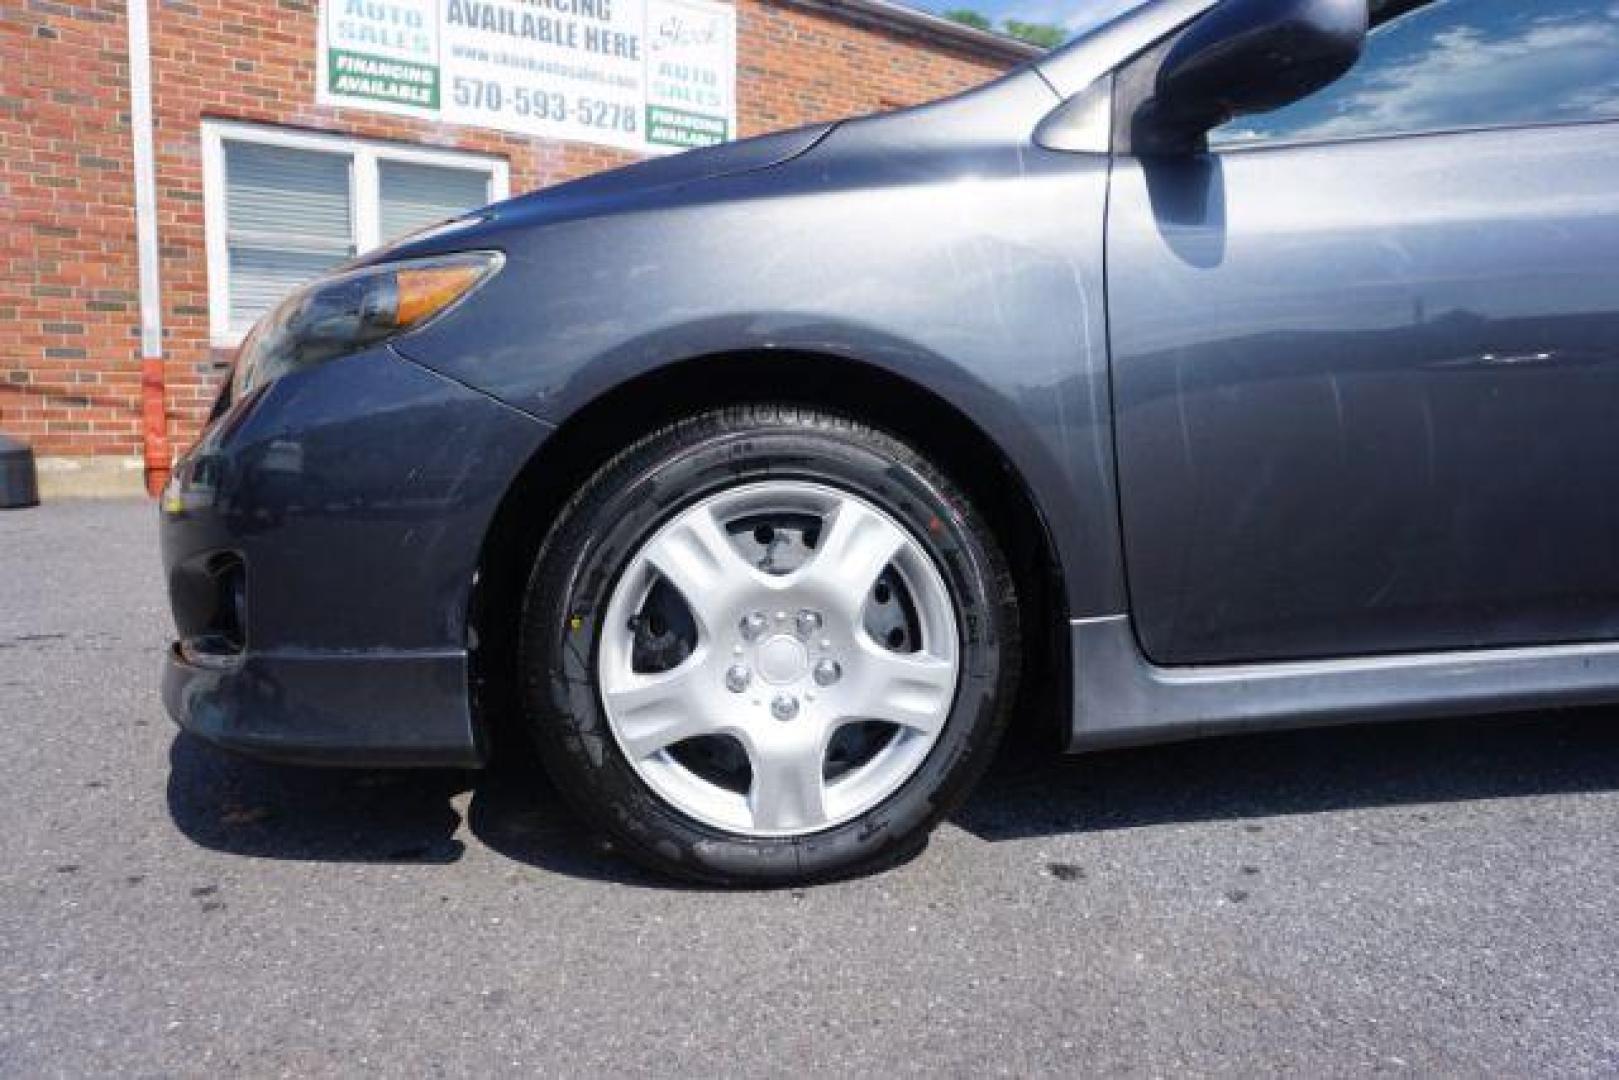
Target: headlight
{"x":340,"y":314}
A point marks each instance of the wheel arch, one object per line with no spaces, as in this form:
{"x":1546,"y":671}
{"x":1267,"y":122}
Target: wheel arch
{"x":607,"y":423}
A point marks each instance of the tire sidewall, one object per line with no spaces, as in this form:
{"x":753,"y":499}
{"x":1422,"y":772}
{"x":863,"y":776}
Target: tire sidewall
{"x":625,"y":506}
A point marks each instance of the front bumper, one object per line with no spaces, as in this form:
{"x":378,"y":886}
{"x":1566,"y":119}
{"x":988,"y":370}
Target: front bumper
{"x":320,"y":545}
{"x":328,"y":709}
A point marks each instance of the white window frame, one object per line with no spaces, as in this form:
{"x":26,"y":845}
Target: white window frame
{"x":364,"y":193}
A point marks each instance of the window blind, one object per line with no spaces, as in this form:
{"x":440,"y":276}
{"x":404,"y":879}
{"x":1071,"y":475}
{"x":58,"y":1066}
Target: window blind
{"x":414,"y":196}
{"x":289,"y":217}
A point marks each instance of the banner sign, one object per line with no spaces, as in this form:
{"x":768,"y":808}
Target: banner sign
{"x":646,"y":75}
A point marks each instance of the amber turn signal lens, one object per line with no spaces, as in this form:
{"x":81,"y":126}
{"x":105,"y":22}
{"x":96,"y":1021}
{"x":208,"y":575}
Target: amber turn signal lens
{"x":356,"y":309}
{"x":425,"y":291}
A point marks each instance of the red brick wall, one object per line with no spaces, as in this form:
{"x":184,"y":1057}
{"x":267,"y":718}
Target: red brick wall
{"x":69,"y":366}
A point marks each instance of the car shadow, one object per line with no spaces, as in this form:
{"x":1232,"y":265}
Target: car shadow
{"x":247,"y":807}
{"x":239,"y":805}
{"x":406,"y":816}
{"x":1031,"y":792}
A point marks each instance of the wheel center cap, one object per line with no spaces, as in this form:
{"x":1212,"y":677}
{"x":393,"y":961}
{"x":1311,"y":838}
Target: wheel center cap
{"x":782,"y":660}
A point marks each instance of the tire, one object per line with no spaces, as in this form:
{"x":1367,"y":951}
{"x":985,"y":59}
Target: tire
{"x":616,"y":656}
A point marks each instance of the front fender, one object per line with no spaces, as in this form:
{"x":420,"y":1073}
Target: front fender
{"x":971,"y":269}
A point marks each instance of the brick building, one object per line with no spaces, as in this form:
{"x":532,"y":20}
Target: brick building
{"x":106,"y":370}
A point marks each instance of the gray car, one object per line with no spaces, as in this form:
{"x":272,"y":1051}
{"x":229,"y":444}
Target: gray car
{"x":1240,"y":364}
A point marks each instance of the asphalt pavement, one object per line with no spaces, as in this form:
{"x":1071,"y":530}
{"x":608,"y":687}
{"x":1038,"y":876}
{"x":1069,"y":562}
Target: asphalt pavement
{"x":1408,"y":899}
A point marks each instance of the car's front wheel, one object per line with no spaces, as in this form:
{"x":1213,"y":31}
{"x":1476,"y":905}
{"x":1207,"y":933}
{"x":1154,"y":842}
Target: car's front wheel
{"x":768,"y":645}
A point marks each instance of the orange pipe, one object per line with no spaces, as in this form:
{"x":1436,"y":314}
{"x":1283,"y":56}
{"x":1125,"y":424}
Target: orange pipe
{"x":154,"y":424}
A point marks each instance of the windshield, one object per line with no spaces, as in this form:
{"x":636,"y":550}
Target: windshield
{"x":1098,"y":13}
{"x":1101,"y":12}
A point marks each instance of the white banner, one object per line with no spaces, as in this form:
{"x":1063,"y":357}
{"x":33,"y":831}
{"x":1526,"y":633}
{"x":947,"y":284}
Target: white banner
{"x":645,"y":75}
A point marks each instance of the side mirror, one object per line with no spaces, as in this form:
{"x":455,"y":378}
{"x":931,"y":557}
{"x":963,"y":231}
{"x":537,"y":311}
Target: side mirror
{"x":1242,"y":57}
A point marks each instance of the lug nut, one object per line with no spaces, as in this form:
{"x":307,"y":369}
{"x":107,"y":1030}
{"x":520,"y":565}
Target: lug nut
{"x":808,"y":623}
{"x":784,"y":707}
{"x":828,"y":672}
{"x":753,"y":625}
{"x":737,"y":678}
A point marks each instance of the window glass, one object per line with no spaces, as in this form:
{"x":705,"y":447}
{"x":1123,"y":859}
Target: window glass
{"x":1456,"y":64}
{"x":289,"y":217}
{"x":414,"y":196}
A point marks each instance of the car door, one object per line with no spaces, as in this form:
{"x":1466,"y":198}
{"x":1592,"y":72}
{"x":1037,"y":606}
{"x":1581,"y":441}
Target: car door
{"x":1366,"y":352}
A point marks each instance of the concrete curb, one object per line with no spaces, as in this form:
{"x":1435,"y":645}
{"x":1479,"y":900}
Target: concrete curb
{"x":108,"y":477}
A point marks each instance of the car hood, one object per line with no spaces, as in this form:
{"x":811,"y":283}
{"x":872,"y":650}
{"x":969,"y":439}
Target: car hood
{"x":726,"y":159}
{"x":607,"y":191}
{"x":918,"y":140}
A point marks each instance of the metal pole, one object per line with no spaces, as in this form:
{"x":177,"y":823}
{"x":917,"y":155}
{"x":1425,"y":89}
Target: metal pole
{"x":154,"y":407}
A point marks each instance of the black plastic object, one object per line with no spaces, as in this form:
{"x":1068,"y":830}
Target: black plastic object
{"x":19,"y":486}
{"x":1242,"y":57}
